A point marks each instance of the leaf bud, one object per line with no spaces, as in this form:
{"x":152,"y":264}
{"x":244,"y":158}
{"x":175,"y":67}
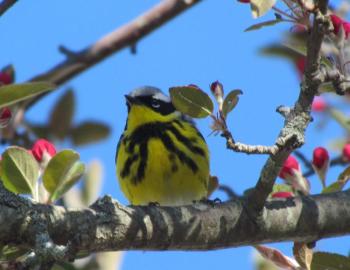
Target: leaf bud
{"x":217,"y":90}
{"x":5,"y":117}
{"x":346,"y":152}
{"x":320,"y":163}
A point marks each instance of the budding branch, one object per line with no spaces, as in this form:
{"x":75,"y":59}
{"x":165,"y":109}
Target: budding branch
{"x":108,"y":225}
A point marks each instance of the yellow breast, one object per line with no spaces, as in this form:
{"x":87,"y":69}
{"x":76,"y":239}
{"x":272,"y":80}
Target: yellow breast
{"x":163,"y":161}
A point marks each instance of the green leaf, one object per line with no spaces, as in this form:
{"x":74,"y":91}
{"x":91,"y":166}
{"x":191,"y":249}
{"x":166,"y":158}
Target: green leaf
{"x":89,"y":132}
{"x":341,"y":118}
{"x":62,"y":115}
{"x":62,"y":172}
{"x":281,"y":51}
{"x":260,"y":7}
{"x":334,"y":187}
{"x":263,"y":24}
{"x":299,"y":48}
{"x":191,"y":101}
{"x":231,"y":101}
{"x":19,"y":170}
{"x":343,"y":178}
{"x":329,"y":261}
{"x":13,"y":93}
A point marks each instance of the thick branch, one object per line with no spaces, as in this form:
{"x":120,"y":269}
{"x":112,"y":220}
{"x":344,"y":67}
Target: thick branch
{"x":5,"y":5}
{"x":297,"y":119}
{"x":108,"y":225}
{"x":127,"y":35}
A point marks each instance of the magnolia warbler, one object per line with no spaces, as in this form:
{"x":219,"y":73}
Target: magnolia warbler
{"x":161,"y":156}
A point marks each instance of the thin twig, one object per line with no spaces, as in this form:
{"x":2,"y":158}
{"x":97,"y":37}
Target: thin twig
{"x":5,"y":5}
{"x":248,"y":149}
{"x":125,"y":36}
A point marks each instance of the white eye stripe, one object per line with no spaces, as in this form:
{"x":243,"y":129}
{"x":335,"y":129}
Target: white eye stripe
{"x":160,"y":96}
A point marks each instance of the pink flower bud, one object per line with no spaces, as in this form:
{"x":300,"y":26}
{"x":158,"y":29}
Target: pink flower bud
{"x":43,"y":150}
{"x":290,"y":166}
{"x":5,"y":78}
{"x":320,"y":163}
{"x":217,"y":90}
{"x":5,"y":117}
{"x":282,"y":194}
{"x":320,"y":157}
{"x":244,"y":1}
{"x":337,"y":23}
{"x":346,"y":27}
{"x":319,"y":104}
{"x":346,"y":152}
{"x":291,"y":173}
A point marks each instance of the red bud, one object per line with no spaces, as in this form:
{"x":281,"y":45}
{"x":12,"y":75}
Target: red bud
{"x":217,"y":90}
{"x":289,"y":167}
{"x":5,"y":116}
{"x":319,"y":104}
{"x":5,"y":78}
{"x":346,"y":27}
{"x":293,"y":176}
{"x":282,"y":194}
{"x":346,"y":152}
{"x":244,"y":1}
{"x":43,"y":150}
{"x":320,"y":157}
{"x":337,"y":23}
{"x":320,"y":163}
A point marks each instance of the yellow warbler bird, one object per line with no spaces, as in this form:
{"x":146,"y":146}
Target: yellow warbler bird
{"x":161,"y":156}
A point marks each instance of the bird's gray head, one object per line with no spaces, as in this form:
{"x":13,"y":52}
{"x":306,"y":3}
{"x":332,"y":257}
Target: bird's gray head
{"x":151,"y":97}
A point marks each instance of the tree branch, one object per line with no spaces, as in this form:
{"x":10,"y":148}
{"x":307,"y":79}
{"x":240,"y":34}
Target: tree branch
{"x":108,"y":225}
{"x":5,"y":5}
{"x":127,"y":35}
{"x":296,"y":119}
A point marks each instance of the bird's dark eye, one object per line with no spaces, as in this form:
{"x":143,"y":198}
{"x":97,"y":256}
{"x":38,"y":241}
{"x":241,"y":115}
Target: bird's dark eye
{"x":155,"y":103}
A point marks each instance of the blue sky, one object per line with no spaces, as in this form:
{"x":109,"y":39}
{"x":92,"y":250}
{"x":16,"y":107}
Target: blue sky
{"x":205,"y":44}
